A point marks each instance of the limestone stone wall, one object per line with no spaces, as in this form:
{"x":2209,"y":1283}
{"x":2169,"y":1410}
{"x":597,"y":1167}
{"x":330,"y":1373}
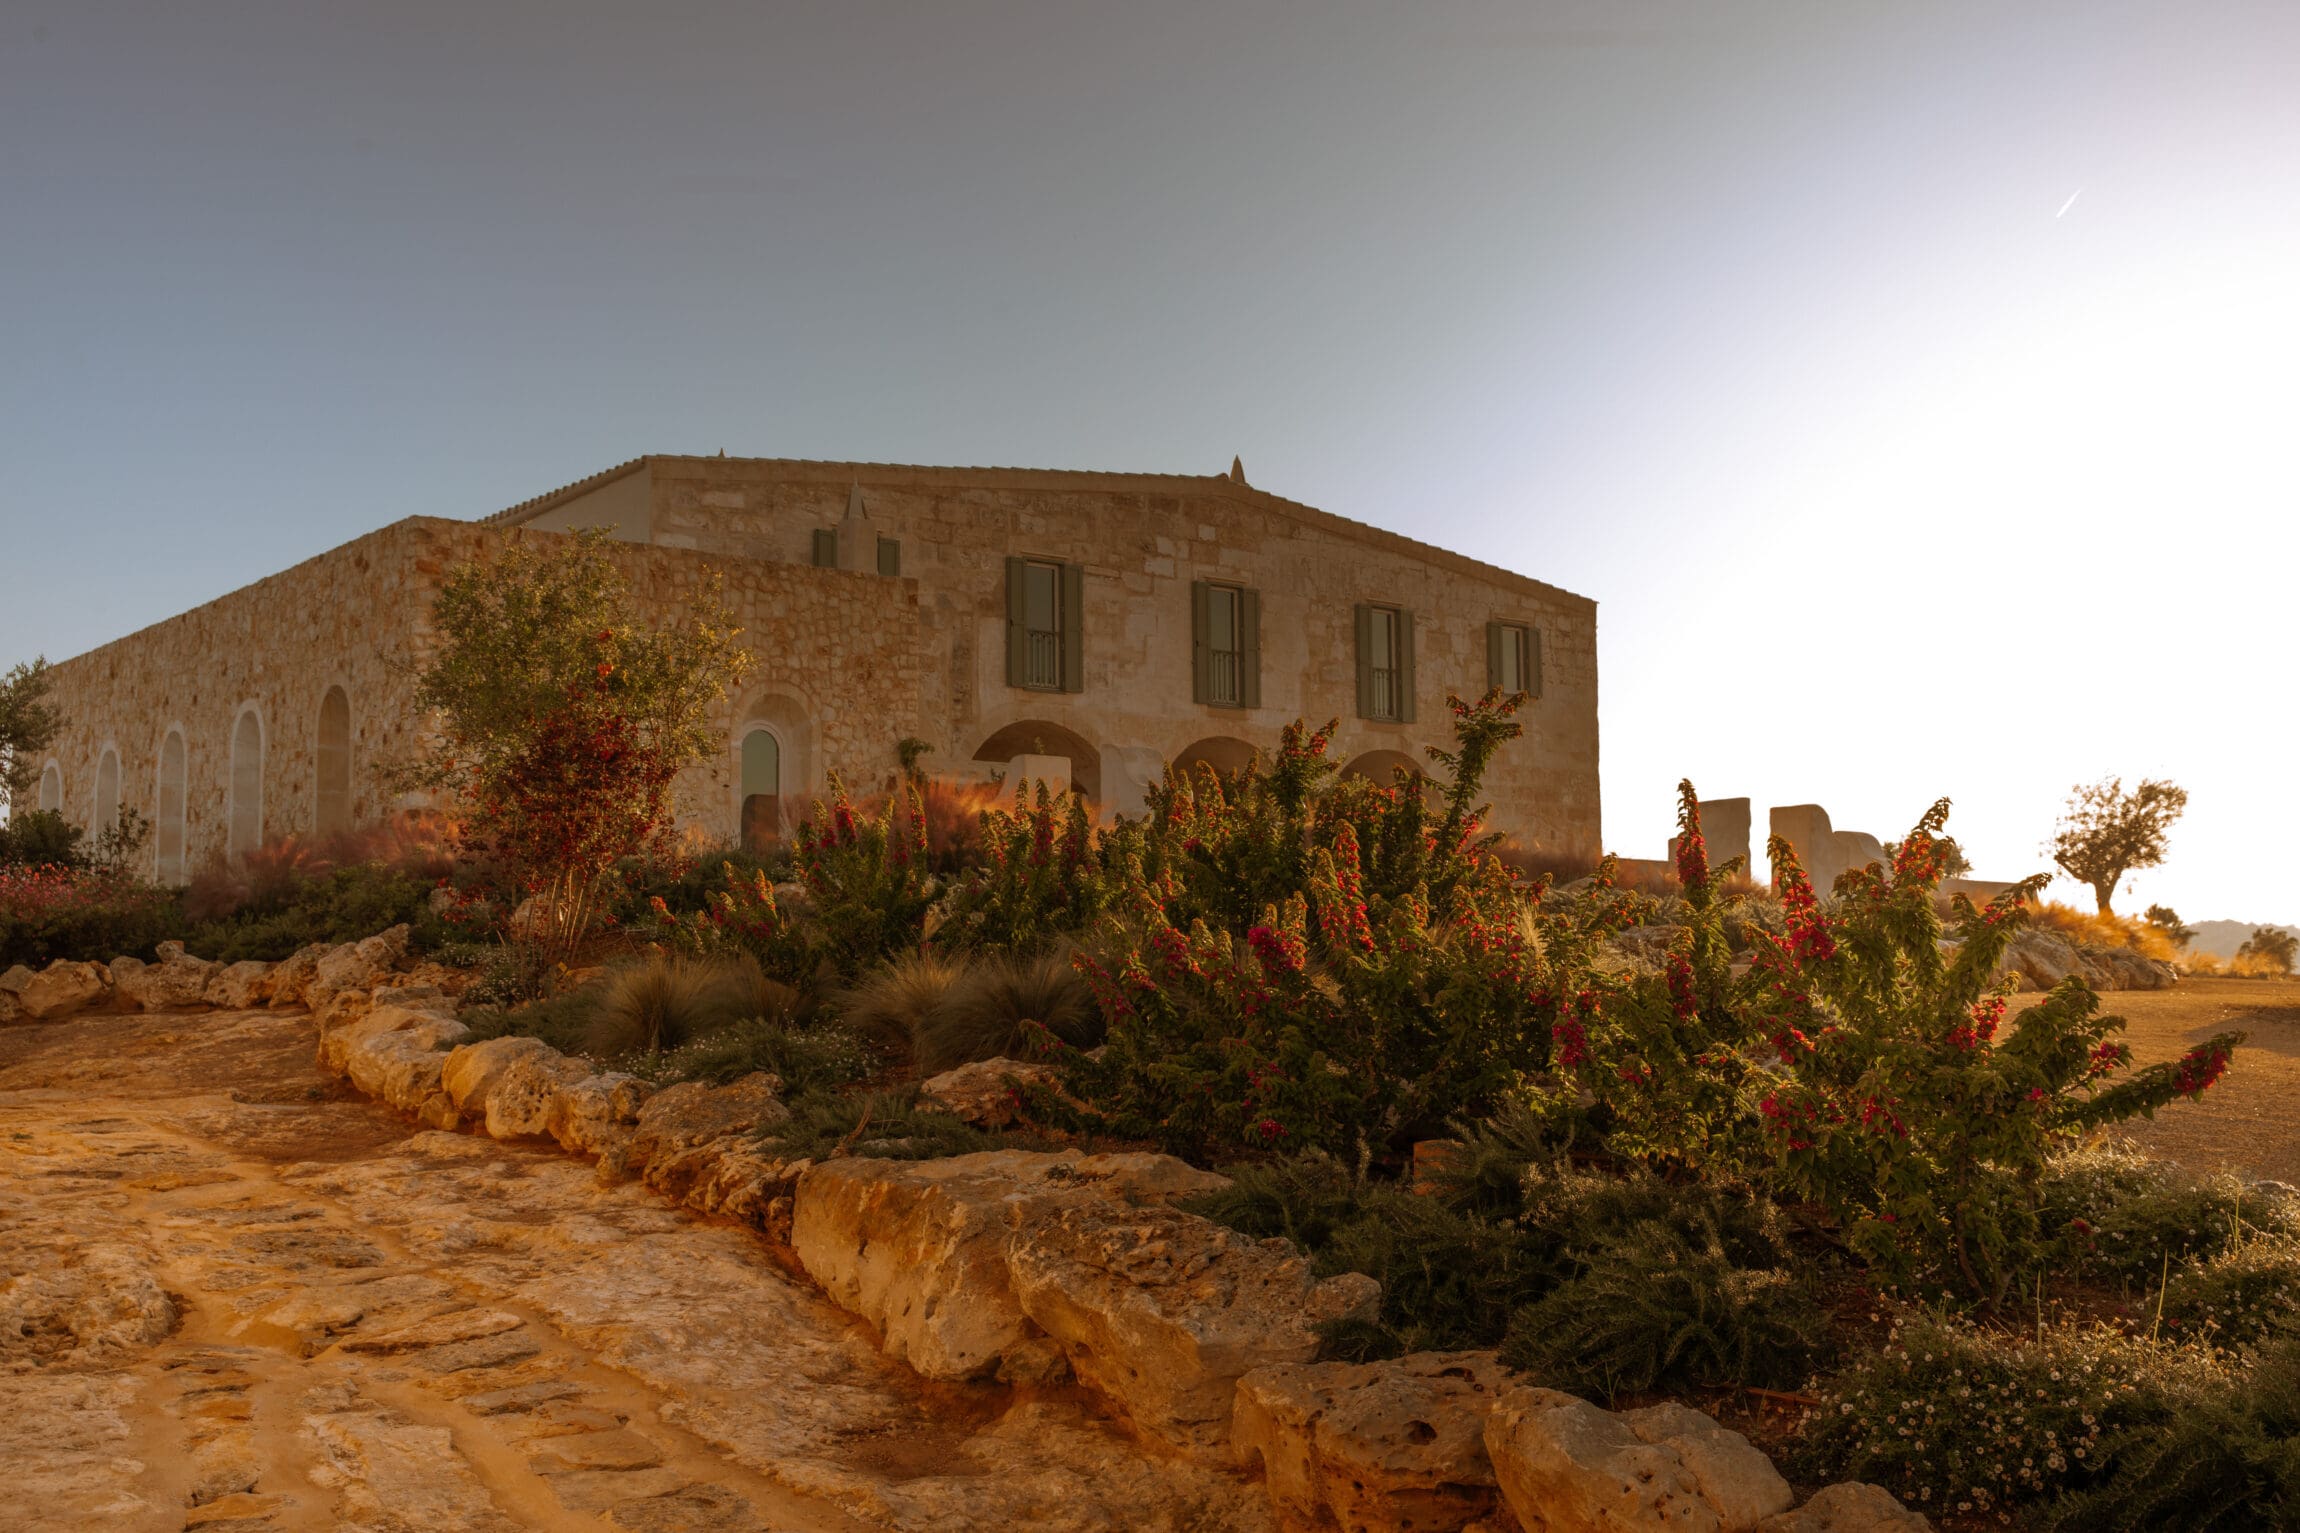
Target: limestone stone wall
{"x":837,"y":657}
{"x":1142,"y":540}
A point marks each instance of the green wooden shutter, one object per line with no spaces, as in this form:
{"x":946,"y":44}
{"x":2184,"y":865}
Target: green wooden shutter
{"x":1533,"y":660}
{"x":1405,"y":665}
{"x":826,"y":548}
{"x":1073,"y":628}
{"x":1496,"y":638}
{"x":1016,"y":637}
{"x":1201,"y":642}
{"x":1365,"y":661}
{"x":1250,"y":663}
{"x":889,"y":556}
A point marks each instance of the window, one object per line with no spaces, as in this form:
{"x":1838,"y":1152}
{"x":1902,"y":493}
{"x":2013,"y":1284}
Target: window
{"x":52,"y":788}
{"x":1386,"y":664}
{"x":890,"y":556}
{"x":1043,"y":644}
{"x":331,"y":812}
{"x":761,"y":791}
{"x":826,"y":552}
{"x":1513,"y":657}
{"x":1226,"y":630}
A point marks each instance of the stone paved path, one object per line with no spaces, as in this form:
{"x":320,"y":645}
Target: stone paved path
{"x":235,"y":1297}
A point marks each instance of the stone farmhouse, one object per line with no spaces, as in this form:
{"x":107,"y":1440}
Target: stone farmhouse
{"x":1102,"y":624}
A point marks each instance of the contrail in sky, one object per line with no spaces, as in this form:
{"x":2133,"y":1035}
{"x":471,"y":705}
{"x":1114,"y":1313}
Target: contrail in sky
{"x":2064,"y":207}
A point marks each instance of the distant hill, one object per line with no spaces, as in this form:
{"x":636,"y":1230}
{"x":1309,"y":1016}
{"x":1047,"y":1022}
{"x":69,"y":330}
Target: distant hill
{"x":2222,"y":938}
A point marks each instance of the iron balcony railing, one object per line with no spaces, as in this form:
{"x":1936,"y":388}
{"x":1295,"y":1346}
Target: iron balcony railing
{"x":1042,"y":659}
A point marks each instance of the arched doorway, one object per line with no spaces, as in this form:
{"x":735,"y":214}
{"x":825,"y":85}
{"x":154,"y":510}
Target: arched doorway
{"x":168,"y":802}
{"x":244,"y":824}
{"x":52,"y":788}
{"x":761,"y":792}
{"x":107,"y":805}
{"x":1038,"y":737}
{"x":331,"y":793}
{"x":1224,"y":753}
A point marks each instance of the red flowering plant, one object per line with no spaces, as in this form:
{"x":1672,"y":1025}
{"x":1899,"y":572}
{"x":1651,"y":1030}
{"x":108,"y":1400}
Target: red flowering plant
{"x":1302,"y":961}
{"x":1039,"y":875}
{"x":559,"y":722}
{"x":866,"y":876}
{"x":1899,"y":1094}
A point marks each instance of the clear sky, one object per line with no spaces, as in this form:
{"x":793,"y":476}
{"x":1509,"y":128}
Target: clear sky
{"x":1916,"y":387}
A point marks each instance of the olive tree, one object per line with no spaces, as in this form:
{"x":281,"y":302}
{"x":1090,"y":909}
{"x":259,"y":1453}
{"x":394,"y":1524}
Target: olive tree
{"x":2106,"y":832}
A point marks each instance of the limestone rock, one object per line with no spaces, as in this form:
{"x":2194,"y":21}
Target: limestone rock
{"x":1565,"y":1464}
{"x":749,"y":1186}
{"x":414,"y":995}
{"x":1384,"y":1447}
{"x":693,"y":1112}
{"x":295,"y":972}
{"x":1164,"y":1312}
{"x":591,"y":1115}
{"x":61,"y":989}
{"x":519,"y":1100}
{"x":337,"y":1045}
{"x":396,"y":1055}
{"x":470,"y":1072}
{"x":356,"y":966}
{"x":1848,"y":1508}
{"x":240,"y":986}
{"x":176,"y":983}
{"x":988,"y":1092}
{"x":12,"y":986}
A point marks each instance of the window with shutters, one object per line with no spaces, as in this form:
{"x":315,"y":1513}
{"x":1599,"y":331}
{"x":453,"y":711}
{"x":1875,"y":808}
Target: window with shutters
{"x":1225,"y":626}
{"x":889,"y":556}
{"x":1512,"y":659}
{"x":826,"y":551}
{"x":1041,"y":624}
{"x":1382,"y":664}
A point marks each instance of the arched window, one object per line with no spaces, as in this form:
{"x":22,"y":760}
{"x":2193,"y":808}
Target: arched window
{"x":332,"y":803}
{"x":244,"y":826}
{"x":762,"y":790}
{"x":52,"y":787}
{"x":168,"y":833}
{"x":107,"y":792}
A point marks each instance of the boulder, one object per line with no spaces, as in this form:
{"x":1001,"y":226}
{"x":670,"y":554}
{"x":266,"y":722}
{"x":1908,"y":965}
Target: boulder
{"x":989,"y":1092}
{"x":2043,"y":958}
{"x":920,"y":1249}
{"x":1164,"y":1312}
{"x":358,"y":965}
{"x":176,"y":983}
{"x":519,"y":1101}
{"x":1848,"y":1508}
{"x":240,"y":986}
{"x":682,"y":1129}
{"x":427,"y":1031}
{"x":595,"y":1115}
{"x":396,"y":1055}
{"x":294,"y":973}
{"x":1565,"y":1464}
{"x":748,"y":1185}
{"x":12,"y":986}
{"x":61,"y":989}
{"x":414,"y":996}
{"x":470,"y":1072}
{"x":1391,"y":1447}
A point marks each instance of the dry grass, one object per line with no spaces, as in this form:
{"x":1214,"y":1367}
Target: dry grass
{"x":982,"y":1015}
{"x":2111,"y":931}
{"x":667,"y":1002}
{"x":894,"y":1000}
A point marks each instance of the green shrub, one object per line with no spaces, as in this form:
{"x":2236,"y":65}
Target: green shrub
{"x":820,"y":1058}
{"x":890,"y":1125}
{"x":991,"y":1009}
{"x":1038,"y":880}
{"x":867,"y":879}
{"x":35,"y":838}
{"x":47,"y":913}
{"x":2221,"y":1455}
{"x":2244,"y":1297}
{"x":510,"y":973}
{"x":1954,"y":1418}
{"x":337,"y":905}
{"x":1449,"y":1279}
{"x":894,"y":1000}
{"x":1655,"y":1305}
{"x":563,"y":1021}
{"x":2118,"y":1212}
{"x":663,"y":1003}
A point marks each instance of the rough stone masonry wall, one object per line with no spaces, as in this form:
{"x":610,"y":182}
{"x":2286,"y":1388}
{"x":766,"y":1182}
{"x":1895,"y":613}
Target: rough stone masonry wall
{"x":841,"y":648}
{"x":1142,"y":541}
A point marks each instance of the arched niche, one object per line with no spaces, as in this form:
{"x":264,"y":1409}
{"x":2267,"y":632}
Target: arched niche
{"x":52,"y":788}
{"x":105,"y":808}
{"x":331,"y":791}
{"x":788,"y":723}
{"x":1224,"y":753}
{"x":168,"y":828}
{"x":759,"y":788}
{"x":244,"y":813}
{"x":1040,"y":737}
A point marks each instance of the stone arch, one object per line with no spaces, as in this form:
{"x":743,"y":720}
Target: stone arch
{"x":1042,"y":737}
{"x":788,"y":722}
{"x":170,"y":778}
{"x":1383,"y":767}
{"x":1224,"y":753}
{"x":104,"y":809}
{"x":331,"y":787}
{"x":52,"y":787}
{"x":244,"y":812}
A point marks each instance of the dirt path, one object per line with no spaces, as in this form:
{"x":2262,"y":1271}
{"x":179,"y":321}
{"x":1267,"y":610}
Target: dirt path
{"x":234,"y":1297}
{"x":2251,"y":1119}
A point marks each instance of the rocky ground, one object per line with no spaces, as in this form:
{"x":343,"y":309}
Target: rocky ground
{"x":236,"y":1295}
